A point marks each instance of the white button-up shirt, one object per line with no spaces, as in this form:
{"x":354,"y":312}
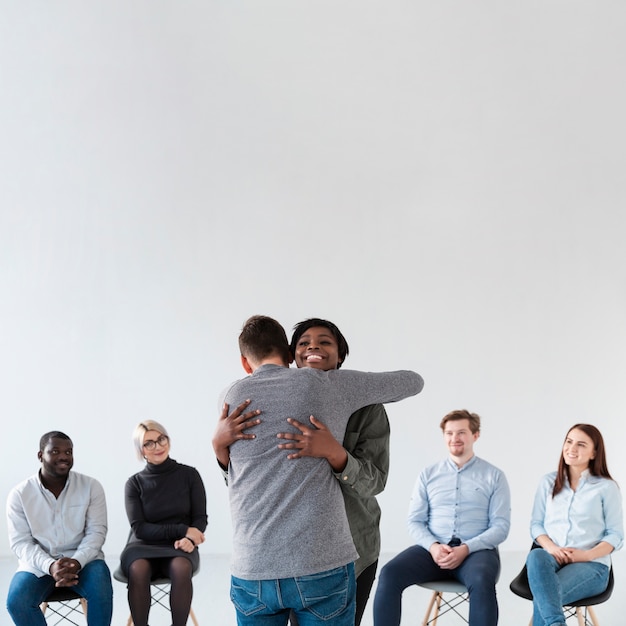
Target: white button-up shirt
{"x":43,"y":528}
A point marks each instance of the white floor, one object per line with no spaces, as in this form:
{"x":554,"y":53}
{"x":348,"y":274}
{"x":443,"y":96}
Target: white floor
{"x":213,"y":608}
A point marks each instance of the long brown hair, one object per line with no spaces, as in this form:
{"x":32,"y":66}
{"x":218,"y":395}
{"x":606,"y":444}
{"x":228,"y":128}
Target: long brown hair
{"x":597,"y":465}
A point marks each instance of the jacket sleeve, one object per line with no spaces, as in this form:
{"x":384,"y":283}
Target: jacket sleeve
{"x":367,"y":444}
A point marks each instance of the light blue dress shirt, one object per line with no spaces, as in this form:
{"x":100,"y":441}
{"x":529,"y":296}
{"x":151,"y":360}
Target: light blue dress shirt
{"x":472,"y":503}
{"x":582,"y":518}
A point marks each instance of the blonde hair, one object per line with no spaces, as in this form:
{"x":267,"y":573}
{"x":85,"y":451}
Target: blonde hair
{"x":140,"y":431}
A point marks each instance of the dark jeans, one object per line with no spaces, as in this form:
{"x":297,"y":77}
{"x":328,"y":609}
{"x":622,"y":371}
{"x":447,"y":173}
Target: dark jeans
{"x":479,"y":573}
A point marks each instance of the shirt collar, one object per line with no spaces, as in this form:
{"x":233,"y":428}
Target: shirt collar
{"x":454,"y":466}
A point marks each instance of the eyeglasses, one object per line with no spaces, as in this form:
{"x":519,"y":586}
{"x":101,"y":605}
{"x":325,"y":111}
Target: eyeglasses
{"x":150,"y":444}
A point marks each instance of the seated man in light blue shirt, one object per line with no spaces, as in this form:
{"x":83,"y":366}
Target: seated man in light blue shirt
{"x":460,"y":512}
{"x":57,"y":523}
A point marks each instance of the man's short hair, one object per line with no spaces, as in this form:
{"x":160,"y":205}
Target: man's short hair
{"x":262,"y":337}
{"x":462,"y":414}
{"x":53,"y":434}
{"x":300,"y":328}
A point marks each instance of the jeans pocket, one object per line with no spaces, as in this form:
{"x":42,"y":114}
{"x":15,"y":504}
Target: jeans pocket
{"x":246,"y":595}
{"x":326,"y":594}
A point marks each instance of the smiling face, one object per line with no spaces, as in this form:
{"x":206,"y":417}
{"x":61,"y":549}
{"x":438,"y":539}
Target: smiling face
{"x":460,"y":440}
{"x":156,"y":447}
{"x":57,"y":458}
{"x":317,"y":348}
{"x":578,"y":450}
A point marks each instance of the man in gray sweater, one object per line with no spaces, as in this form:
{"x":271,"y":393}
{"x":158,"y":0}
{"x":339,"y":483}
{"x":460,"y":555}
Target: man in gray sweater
{"x":292,"y":547}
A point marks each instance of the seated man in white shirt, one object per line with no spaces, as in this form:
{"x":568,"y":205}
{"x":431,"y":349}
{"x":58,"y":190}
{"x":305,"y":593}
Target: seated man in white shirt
{"x":57,"y":524}
{"x":459,"y":513}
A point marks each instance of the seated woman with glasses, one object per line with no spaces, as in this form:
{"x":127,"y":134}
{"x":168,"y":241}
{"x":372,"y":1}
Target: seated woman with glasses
{"x":577,"y":521}
{"x":166,"y":508}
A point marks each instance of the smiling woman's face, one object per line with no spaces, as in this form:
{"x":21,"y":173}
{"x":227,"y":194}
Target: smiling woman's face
{"x":156,"y":447}
{"x":578,"y":449}
{"x":317,"y":348}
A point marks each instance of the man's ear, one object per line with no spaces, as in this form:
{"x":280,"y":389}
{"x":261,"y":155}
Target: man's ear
{"x":246,"y":365}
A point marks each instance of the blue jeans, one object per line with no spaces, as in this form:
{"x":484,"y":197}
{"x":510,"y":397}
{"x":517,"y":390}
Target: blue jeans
{"x":324,"y":598}
{"x":27,"y":592}
{"x":479,"y":573}
{"x":554,"y":586}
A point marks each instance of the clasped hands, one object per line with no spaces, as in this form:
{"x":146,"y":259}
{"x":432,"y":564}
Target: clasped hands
{"x":65,"y":572}
{"x":448,"y":557}
{"x":564,"y":556}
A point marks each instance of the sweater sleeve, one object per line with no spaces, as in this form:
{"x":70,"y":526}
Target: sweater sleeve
{"x":145,"y":530}
{"x":199,"y":518}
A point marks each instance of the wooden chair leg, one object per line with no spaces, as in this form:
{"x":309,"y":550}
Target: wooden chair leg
{"x":193,"y":617}
{"x":580,"y":616}
{"x":592,"y":614}
{"x":433,"y":622}
{"x":433,"y":600}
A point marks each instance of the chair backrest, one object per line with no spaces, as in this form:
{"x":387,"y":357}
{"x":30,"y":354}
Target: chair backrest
{"x":519,"y":585}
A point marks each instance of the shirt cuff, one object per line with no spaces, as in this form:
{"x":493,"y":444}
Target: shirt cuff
{"x":350,"y":472}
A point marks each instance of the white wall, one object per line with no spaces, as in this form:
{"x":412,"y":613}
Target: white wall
{"x":444,"y":180}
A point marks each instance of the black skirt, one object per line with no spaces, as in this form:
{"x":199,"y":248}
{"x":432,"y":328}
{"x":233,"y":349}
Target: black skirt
{"x":137,"y":550}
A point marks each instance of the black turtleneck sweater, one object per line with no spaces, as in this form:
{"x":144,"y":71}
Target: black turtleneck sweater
{"x":162,"y":502}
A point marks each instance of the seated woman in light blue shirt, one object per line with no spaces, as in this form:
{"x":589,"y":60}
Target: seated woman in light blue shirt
{"x":577,"y":520}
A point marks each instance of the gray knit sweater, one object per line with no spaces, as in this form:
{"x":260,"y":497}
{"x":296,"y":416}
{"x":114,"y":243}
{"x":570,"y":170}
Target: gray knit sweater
{"x":288,"y":516}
